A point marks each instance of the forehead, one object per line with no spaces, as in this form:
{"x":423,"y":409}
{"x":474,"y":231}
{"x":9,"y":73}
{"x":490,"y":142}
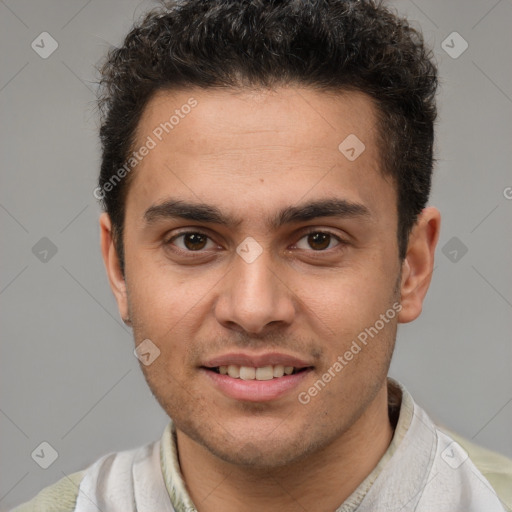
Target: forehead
{"x":238,"y":146}
{"x":299,"y":117}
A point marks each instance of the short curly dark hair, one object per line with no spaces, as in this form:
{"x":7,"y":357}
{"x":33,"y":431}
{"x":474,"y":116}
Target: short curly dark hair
{"x":328,"y":45}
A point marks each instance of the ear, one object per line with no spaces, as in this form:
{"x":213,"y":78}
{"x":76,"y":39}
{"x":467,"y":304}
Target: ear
{"x":111,"y":260}
{"x":418,"y":264}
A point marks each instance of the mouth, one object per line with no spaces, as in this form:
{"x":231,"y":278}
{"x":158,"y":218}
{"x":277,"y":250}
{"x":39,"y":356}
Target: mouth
{"x":262,"y":373}
{"x":252,"y":378}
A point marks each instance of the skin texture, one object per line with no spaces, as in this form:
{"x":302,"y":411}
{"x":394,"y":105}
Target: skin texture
{"x":251,"y":154}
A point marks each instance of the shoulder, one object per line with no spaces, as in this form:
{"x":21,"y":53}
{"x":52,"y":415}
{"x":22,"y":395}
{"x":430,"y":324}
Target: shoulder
{"x":496,"y":468}
{"x":130,"y":474}
{"x":59,"y":497}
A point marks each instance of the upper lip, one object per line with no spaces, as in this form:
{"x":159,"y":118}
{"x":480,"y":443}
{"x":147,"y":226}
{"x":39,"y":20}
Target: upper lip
{"x":256,"y":361}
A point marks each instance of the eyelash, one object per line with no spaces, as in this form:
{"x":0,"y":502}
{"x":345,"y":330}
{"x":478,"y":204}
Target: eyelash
{"x":169,"y":242}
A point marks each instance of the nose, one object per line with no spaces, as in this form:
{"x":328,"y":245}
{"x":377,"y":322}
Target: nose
{"x":254,"y":297}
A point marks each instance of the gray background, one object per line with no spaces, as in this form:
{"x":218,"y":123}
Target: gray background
{"x":68,"y":375}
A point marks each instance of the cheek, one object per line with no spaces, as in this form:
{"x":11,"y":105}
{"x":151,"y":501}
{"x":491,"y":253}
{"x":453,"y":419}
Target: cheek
{"x":174,"y":388}
{"x":167,"y":308}
{"x":346,"y":303}
{"x":156,"y":292}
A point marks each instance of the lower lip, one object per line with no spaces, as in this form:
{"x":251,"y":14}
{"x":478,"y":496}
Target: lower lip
{"x":256,"y":390}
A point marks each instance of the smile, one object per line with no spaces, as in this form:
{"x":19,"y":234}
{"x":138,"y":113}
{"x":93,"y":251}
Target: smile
{"x":268,"y":372}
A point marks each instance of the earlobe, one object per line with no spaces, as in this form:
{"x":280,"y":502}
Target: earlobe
{"x":418,"y":264}
{"x":111,"y":261}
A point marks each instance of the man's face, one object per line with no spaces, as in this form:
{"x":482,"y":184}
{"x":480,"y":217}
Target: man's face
{"x":274,"y":278}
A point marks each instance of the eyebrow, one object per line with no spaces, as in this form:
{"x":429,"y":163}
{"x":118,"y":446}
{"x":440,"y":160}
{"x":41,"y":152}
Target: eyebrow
{"x":200,"y":212}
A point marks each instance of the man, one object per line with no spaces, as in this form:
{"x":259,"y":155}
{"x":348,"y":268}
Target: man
{"x":265,"y":174}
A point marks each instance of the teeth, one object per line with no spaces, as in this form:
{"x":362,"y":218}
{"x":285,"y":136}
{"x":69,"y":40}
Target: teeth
{"x":278,"y":370}
{"x":265,"y":373}
{"x":247,"y":373}
{"x":268,"y":372}
{"x":234,"y":371}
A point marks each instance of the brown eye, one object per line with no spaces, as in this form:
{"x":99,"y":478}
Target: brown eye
{"x":191,"y":241}
{"x":318,"y":241}
{"x":194,"y":241}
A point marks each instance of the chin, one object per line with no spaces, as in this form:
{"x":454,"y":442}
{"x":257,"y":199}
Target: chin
{"x":261,"y":454}
{"x":265,"y":448}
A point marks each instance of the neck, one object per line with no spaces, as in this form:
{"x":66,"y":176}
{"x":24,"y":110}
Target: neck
{"x":321,"y":482}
